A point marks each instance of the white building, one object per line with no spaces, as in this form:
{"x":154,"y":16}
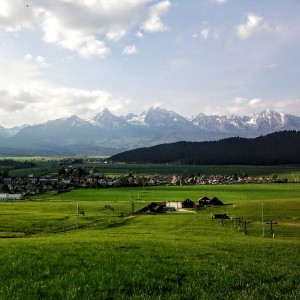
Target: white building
{"x":11,"y":196}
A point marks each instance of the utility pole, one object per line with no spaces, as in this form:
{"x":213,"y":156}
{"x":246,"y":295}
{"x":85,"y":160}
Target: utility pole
{"x":245,"y":226}
{"x":77,"y":223}
{"x":262,"y":219}
{"x":271,"y":228}
{"x":132,"y":205}
{"x":239,"y":220}
{"x":79,"y":211}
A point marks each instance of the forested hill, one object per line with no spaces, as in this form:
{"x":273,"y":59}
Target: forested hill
{"x":273,"y":149}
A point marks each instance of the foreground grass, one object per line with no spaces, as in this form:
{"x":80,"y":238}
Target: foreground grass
{"x":170,"y":256}
{"x":175,"y":260}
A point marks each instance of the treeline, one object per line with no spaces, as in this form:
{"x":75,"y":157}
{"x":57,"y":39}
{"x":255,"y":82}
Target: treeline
{"x":273,"y":149}
{"x":16,"y":164}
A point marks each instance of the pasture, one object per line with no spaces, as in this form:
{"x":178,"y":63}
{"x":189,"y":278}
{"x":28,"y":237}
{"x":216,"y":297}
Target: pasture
{"x":117,"y":255}
{"x":51,"y":165}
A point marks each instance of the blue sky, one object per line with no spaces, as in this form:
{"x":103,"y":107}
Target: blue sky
{"x":65,"y":57}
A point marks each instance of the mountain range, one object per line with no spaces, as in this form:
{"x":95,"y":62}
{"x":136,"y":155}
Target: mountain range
{"x":108,"y":134}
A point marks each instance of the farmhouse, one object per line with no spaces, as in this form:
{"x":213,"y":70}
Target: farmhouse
{"x":215,"y":201}
{"x":203,"y":200}
{"x":154,"y":207}
{"x":187,"y":203}
{"x":175,"y":204}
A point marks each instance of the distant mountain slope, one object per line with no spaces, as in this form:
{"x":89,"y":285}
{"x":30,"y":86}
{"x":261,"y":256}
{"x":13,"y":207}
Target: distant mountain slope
{"x":106,"y":133}
{"x":273,"y":149}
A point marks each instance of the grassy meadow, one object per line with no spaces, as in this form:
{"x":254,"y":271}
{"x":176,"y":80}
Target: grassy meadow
{"x":51,"y":165}
{"x":181,"y":255}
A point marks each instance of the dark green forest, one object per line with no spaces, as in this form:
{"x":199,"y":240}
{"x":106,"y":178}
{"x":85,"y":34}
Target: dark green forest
{"x":274,"y":149}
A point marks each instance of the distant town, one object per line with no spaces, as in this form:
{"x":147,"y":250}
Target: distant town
{"x":74,"y":177}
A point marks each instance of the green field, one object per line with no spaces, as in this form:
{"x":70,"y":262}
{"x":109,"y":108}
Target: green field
{"x":117,"y":255}
{"x":50,"y":166}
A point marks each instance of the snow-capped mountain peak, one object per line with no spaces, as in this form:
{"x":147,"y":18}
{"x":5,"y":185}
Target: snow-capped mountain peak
{"x":106,"y":119}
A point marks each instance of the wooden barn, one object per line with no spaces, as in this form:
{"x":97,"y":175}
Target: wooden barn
{"x":187,"y":203}
{"x":154,"y":207}
{"x":203,"y":200}
{"x":215,"y":201}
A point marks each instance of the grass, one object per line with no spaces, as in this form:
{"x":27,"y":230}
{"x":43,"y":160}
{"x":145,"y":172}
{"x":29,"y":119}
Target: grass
{"x":49,"y":165}
{"x":227,"y":193}
{"x":168,"y":256}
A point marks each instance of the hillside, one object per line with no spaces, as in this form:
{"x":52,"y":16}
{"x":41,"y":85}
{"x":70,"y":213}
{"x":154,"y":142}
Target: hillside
{"x":273,"y":149}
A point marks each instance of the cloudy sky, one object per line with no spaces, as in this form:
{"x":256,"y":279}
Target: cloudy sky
{"x":65,"y":57}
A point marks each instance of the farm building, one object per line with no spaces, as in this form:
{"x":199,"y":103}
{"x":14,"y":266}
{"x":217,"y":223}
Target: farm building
{"x":11,"y":196}
{"x":203,"y":200}
{"x":187,"y":203}
{"x":215,"y":201}
{"x":175,"y":204}
{"x":154,"y":207}
{"x":219,"y":215}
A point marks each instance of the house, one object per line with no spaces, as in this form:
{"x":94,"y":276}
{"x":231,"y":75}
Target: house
{"x":215,"y":201}
{"x":154,"y":207}
{"x":175,"y":204}
{"x":187,"y":203}
{"x":203,"y":200}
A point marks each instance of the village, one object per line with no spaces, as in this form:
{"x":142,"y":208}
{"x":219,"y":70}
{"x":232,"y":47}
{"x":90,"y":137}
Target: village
{"x":72,"y":178}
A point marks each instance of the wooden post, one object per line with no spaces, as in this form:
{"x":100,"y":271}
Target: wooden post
{"x":245,"y":226}
{"x":77,"y":216}
{"x":271,"y":227}
{"x":239,"y":220}
{"x":262,"y":219}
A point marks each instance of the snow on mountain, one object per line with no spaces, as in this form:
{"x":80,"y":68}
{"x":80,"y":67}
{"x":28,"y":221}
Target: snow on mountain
{"x":8,"y":132}
{"x":266,"y":121}
{"x":157,"y":116}
{"x":106,"y":119}
{"x":268,"y":118}
{"x":135,"y":119}
{"x":151,"y":127}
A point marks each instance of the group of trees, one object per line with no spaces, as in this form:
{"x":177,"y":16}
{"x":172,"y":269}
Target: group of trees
{"x":273,"y":149}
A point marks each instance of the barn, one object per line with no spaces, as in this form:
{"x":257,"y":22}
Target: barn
{"x":215,"y":201}
{"x":187,"y":203}
{"x":203,"y":200}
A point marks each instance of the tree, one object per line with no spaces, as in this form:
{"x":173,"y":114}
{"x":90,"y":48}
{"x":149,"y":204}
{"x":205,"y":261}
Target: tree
{"x":4,"y":188}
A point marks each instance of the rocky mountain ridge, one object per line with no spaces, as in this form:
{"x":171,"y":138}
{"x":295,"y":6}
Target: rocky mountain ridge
{"x":106,"y":133}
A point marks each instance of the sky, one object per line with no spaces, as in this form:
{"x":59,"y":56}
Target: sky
{"x":218,"y":57}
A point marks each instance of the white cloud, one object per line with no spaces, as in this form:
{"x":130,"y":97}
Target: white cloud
{"x":139,"y":35}
{"x":26,"y":99}
{"x":154,"y":23}
{"x":205,"y":33}
{"x":130,"y":50}
{"x":244,"y":106}
{"x":83,"y":26}
{"x":254,"y":24}
{"x":291,"y":106}
{"x":240,"y":100}
{"x":240,"y":106}
{"x":116,"y":35}
{"x":40,"y":60}
{"x":219,"y":1}
{"x":256,"y":102}
{"x":44,"y":100}
{"x":72,"y":38}
{"x":15,"y":15}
